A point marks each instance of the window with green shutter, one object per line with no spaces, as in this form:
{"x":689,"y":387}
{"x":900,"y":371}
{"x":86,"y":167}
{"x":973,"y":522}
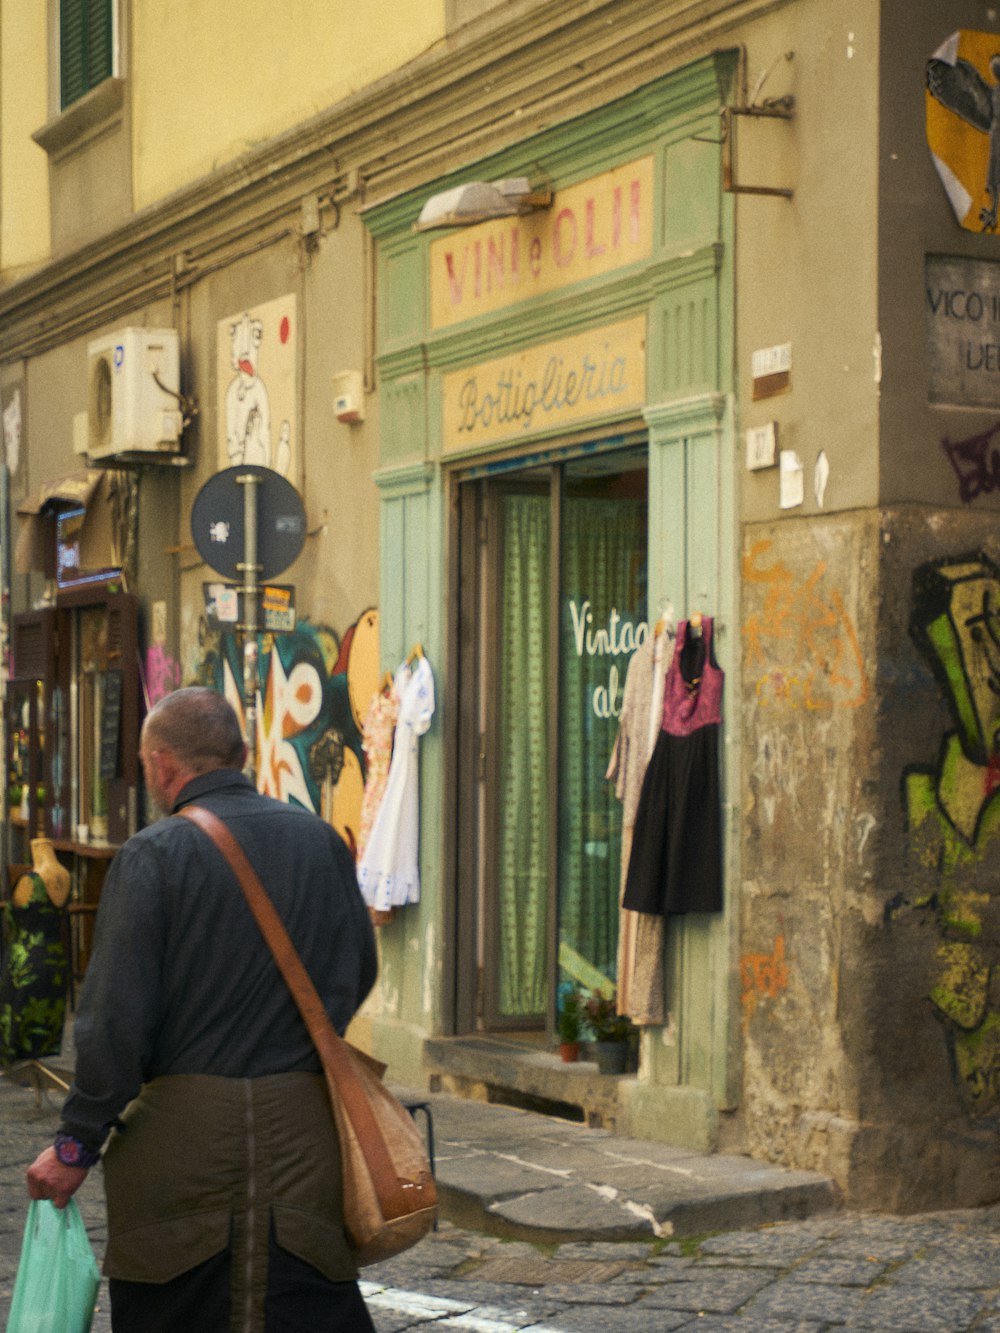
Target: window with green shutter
{"x":86,"y":47}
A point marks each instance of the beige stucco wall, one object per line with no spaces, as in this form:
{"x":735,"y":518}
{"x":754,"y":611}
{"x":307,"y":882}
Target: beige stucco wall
{"x":194,"y":111}
{"x":336,"y":577}
{"x":915,"y":220}
{"x":24,"y":192}
{"x":806,"y":267}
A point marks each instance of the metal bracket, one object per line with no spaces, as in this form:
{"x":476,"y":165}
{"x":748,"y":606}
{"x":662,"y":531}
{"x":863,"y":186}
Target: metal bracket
{"x":778,"y":108}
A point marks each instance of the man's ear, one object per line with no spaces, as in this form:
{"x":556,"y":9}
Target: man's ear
{"x":167,"y":768}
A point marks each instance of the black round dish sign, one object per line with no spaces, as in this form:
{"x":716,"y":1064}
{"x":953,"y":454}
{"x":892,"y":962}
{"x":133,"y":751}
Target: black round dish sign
{"x":219,"y":529}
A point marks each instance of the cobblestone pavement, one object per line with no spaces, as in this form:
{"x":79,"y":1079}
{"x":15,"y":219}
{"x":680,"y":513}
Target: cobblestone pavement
{"x":933,"y":1273}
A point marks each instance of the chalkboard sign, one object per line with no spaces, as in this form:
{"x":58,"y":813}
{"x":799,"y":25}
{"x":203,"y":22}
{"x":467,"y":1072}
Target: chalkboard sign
{"x":111,"y":715}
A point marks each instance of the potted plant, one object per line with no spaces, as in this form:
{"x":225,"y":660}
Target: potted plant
{"x":611,"y":1030}
{"x":570,"y":1021}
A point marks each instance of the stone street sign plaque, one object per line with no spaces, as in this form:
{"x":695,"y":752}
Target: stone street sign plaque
{"x":963,"y":331}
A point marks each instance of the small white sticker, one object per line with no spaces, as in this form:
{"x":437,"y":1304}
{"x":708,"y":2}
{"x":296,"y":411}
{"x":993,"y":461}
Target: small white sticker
{"x":226,"y":600}
{"x":820,"y":477}
{"x":771,"y":360}
{"x":792,"y":483}
{"x":762,"y":446}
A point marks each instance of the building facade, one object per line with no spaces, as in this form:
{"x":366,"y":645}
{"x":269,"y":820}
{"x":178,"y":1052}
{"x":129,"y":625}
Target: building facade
{"x":728,"y":361}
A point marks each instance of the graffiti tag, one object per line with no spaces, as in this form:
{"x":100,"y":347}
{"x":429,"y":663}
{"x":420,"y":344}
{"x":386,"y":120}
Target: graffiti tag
{"x":763,"y":976}
{"x":976,"y":462}
{"x":163,"y":673}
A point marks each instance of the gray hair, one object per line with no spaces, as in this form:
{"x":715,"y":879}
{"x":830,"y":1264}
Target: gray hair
{"x":198,"y":726}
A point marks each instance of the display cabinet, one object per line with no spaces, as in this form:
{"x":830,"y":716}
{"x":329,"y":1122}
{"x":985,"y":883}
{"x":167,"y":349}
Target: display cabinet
{"x":29,"y":758}
{"x":73,"y":738}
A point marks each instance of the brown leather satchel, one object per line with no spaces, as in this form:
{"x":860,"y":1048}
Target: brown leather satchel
{"x":390,"y":1199}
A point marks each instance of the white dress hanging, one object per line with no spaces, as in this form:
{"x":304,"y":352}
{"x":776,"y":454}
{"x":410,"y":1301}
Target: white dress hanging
{"x":389,"y":873}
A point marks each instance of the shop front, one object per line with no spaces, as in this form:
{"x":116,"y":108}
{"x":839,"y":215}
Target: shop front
{"x":74,"y":696}
{"x":556,"y":483}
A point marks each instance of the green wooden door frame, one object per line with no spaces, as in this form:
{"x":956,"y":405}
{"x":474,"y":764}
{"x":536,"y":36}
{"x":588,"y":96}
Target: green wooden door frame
{"x":685,"y":292}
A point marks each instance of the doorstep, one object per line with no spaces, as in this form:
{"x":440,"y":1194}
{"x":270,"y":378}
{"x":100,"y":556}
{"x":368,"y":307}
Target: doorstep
{"x":499,"y":1069}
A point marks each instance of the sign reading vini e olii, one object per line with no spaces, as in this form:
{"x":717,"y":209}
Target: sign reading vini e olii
{"x":592,"y":228}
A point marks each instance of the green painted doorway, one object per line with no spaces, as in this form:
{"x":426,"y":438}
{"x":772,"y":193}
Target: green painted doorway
{"x":553,"y":598}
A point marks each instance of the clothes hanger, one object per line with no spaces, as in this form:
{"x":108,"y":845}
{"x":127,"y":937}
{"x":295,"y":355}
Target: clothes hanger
{"x":695,"y":625}
{"x":386,"y":683}
{"x":665,"y":621}
{"x":416,"y":652}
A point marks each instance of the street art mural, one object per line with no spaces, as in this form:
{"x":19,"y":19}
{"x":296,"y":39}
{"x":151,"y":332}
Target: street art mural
{"x":801,"y":647}
{"x":953,"y":815}
{"x":255,"y":370}
{"x":315,"y":690}
{"x":963,"y":125}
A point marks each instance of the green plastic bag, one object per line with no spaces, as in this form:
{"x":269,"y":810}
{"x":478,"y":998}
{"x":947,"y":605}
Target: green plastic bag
{"x":57,"y":1278}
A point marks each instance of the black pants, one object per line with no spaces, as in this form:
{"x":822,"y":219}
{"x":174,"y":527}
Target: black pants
{"x":299,"y":1300}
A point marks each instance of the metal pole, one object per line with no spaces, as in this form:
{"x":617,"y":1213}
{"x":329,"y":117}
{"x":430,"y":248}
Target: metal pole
{"x":250,"y":568}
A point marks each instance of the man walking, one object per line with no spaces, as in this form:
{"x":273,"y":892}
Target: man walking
{"x":222,"y":1170}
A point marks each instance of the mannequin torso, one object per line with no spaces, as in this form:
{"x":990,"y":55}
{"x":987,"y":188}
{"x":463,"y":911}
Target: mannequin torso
{"x":47,"y":867}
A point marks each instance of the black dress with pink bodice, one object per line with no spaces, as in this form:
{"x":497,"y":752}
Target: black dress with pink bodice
{"x":676,"y":860}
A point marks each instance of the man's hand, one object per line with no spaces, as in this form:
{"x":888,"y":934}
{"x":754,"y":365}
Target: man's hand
{"x":48,"y":1178}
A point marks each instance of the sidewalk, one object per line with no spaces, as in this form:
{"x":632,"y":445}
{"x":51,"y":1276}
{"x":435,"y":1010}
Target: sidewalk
{"x":532,"y":1177}
{"x":527,"y":1176}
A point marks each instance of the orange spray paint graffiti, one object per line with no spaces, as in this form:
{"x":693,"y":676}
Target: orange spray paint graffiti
{"x":801,"y":646}
{"x":763,"y":976}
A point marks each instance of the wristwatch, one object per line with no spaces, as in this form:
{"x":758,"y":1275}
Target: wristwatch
{"x":71,"y":1152}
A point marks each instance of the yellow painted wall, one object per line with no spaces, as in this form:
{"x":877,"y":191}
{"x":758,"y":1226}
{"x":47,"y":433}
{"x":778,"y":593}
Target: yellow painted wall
{"x":24,"y":179}
{"x":211,"y":81}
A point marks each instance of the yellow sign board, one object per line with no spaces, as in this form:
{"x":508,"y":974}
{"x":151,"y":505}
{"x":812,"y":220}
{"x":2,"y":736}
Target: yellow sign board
{"x":554,"y":385}
{"x":591,"y":228}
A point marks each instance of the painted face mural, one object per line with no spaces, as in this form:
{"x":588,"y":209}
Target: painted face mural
{"x":963,"y":125}
{"x":953,"y":814}
{"x":315,"y":690}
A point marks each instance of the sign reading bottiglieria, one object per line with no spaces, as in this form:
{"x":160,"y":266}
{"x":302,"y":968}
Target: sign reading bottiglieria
{"x":553,"y":385}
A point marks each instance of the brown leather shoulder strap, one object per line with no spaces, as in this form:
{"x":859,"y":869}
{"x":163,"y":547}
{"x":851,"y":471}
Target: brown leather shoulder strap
{"x":333,"y":1050}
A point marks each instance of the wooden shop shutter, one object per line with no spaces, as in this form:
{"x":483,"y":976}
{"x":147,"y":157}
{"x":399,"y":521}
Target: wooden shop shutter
{"x":33,"y":645}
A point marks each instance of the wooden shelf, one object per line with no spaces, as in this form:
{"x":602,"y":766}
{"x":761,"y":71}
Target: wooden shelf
{"x":101,"y":850}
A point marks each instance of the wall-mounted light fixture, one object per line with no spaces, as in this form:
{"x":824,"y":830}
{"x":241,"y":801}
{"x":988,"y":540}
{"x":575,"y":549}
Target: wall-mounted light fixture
{"x":480,"y":201}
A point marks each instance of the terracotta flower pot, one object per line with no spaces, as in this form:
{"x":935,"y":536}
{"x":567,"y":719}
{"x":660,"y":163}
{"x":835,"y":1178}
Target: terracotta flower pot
{"x":569,"y":1051}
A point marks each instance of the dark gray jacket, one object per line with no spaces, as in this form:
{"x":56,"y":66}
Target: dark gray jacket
{"x":181,"y":980}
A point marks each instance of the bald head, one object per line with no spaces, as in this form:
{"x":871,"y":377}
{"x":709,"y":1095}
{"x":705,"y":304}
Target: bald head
{"x":189,"y":732}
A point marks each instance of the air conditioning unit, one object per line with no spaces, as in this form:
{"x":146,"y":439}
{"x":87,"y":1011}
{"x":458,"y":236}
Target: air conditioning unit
{"x":134,"y":383}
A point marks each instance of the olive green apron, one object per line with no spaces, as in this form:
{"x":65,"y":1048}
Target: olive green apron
{"x":202,"y":1163}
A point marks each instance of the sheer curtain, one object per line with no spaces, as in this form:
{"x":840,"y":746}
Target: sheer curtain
{"x":603,"y":570}
{"x":524,"y":794}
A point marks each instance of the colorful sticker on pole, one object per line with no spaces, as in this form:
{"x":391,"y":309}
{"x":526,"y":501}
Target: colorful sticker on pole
{"x":963,"y":125}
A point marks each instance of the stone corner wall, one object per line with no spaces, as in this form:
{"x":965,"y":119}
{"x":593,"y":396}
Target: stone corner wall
{"x":869,"y":948}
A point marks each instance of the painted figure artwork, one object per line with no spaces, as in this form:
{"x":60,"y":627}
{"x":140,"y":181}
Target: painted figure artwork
{"x":963,"y":125}
{"x":256,"y":358}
